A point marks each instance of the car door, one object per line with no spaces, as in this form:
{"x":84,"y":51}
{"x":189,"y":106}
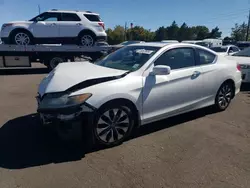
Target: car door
{"x":46,"y":25}
{"x":180,"y":91}
{"x":70,"y":25}
{"x":210,"y":73}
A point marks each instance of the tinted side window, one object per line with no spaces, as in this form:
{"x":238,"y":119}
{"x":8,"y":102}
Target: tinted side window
{"x":205,"y":57}
{"x":48,"y":17}
{"x":177,"y":58}
{"x":93,"y":17}
{"x":70,"y":17}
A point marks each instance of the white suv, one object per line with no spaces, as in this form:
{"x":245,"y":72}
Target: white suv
{"x":56,"y":26}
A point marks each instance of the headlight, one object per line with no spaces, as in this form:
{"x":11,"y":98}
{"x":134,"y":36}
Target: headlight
{"x":6,"y":25}
{"x":59,"y":100}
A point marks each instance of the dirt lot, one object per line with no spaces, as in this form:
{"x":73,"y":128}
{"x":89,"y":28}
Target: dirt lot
{"x":198,"y":149}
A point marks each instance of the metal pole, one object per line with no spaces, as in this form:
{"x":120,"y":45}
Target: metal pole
{"x":125,"y":31}
{"x":248,"y":25}
{"x":39,"y":9}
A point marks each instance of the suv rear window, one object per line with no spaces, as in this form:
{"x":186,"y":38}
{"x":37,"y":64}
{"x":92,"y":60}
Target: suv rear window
{"x":93,"y":17}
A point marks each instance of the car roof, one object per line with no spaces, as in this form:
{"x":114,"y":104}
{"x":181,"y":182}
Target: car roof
{"x":72,"y":11}
{"x":161,"y":45}
{"x":153,"y":44}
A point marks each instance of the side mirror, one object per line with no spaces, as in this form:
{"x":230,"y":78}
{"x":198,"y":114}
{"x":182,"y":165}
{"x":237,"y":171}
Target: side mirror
{"x":230,"y":51}
{"x":161,"y":70}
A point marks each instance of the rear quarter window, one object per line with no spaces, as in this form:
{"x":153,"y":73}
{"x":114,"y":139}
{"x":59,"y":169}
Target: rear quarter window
{"x":205,"y":57}
{"x":93,"y":18}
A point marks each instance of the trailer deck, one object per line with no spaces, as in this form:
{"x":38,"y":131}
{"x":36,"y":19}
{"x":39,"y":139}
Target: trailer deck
{"x":47,"y":54}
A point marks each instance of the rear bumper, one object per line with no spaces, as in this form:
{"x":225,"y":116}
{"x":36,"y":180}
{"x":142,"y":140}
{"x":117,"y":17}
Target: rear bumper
{"x":245,"y":75}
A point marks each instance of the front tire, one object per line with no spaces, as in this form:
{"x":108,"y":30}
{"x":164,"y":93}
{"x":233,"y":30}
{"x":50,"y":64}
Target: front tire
{"x":224,"y":96}
{"x":21,"y":38}
{"x":112,"y":125}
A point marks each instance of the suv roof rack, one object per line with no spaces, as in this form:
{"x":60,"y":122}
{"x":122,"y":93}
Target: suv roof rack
{"x":72,"y":10}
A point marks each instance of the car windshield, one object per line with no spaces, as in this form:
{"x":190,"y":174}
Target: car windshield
{"x":219,"y":49}
{"x":129,"y":58}
{"x":34,"y":19}
{"x":243,"y":53}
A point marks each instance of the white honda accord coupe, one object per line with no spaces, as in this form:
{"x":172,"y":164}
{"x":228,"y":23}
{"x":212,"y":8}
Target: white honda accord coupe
{"x":134,"y":86}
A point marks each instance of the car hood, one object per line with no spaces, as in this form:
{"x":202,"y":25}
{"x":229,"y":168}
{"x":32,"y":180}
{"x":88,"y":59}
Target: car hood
{"x":240,"y":60}
{"x":67,"y":75}
{"x":19,"y":22}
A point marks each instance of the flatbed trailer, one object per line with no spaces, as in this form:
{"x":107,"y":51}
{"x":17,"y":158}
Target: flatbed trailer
{"x":49,"y":55}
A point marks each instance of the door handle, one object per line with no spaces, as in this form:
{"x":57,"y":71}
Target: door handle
{"x":79,"y":24}
{"x":53,"y":24}
{"x":195,"y":74}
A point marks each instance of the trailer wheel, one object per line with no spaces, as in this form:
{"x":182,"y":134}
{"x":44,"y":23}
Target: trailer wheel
{"x":53,"y":62}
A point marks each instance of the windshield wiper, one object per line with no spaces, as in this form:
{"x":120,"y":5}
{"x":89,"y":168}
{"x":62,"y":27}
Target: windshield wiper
{"x":128,"y":72}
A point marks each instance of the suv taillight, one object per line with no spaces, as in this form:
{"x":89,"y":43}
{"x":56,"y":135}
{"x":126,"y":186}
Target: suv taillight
{"x":101,"y":24}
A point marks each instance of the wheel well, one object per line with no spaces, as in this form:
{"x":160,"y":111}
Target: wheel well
{"x":129,"y":104}
{"x":87,"y":31}
{"x":233,"y":84}
{"x":20,"y":29}
{"x":47,"y":60}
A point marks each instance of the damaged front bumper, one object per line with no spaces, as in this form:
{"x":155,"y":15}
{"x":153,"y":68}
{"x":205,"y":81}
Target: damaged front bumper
{"x":65,"y":115}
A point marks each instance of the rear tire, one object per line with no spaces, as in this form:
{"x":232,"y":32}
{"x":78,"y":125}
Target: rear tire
{"x":224,"y":96}
{"x":112,"y":125}
{"x":87,"y":39}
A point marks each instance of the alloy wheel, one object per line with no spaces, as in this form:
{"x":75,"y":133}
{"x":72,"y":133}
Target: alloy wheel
{"x":225,"y":96}
{"x":22,"y":39}
{"x":87,"y":40}
{"x":113,"y":125}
